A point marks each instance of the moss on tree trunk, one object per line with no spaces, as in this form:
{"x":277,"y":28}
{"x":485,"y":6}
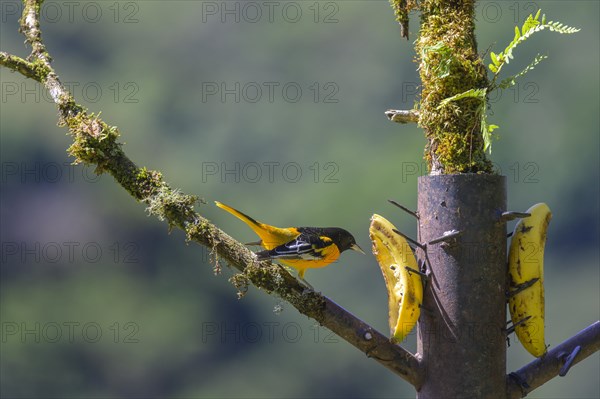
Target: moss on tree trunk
{"x":449,"y":65}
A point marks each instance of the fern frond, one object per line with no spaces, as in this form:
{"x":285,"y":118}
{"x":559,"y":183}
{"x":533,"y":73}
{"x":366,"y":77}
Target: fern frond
{"x":511,"y":80}
{"x":531,"y":22}
{"x":531,"y":25}
{"x":471,"y":93}
{"x":486,"y":129}
{"x":446,"y":57}
{"x":561,"y":28}
{"x":487,"y":133}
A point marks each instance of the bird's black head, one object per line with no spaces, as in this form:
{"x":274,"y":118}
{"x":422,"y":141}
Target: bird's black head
{"x":342,"y":238}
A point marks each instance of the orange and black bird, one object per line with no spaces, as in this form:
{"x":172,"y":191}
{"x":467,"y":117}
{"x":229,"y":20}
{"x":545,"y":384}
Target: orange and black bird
{"x":299,"y":247}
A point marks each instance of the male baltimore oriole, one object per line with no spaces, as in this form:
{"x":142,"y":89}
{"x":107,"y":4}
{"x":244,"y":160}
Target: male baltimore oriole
{"x":299,"y":247}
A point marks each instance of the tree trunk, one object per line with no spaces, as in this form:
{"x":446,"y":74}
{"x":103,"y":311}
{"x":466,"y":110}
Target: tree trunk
{"x":461,"y":332}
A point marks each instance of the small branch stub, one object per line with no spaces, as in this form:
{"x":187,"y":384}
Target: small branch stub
{"x":402,"y":116}
{"x":557,"y":361}
{"x":405,"y":209}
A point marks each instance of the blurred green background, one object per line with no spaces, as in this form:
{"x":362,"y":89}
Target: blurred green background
{"x":277,"y":109}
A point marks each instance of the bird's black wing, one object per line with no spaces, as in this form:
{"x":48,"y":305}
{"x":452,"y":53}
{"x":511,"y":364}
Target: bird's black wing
{"x":305,"y":246}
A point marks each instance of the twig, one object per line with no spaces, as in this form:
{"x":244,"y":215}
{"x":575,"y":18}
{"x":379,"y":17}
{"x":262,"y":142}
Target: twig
{"x":543,"y":369}
{"x":18,"y":64}
{"x":402,"y":116}
{"x":95,"y":142}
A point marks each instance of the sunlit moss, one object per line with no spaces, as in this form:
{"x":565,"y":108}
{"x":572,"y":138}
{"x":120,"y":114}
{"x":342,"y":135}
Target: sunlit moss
{"x":169,"y":204}
{"x":449,"y":64}
{"x":40,"y":70}
{"x":94,"y":142}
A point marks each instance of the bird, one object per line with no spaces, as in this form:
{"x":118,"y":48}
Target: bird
{"x":299,"y":247}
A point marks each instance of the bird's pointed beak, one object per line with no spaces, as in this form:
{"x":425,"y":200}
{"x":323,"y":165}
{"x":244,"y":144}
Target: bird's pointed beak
{"x":356,"y":248}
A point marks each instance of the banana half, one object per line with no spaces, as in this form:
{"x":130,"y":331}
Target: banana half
{"x":405,"y":289}
{"x":525,"y":265}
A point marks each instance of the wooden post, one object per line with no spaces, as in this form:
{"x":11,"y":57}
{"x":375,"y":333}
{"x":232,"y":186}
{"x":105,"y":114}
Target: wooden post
{"x":461,"y":332}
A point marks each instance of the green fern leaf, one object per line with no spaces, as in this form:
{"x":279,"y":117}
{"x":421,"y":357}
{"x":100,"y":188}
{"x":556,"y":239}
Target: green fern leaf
{"x":494,"y":58}
{"x":561,"y":28}
{"x":511,"y":80}
{"x":471,"y":93}
{"x":532,"y":25}
{"x":486,"y":131}
{"x":446,"y":58}
{"x":508,"y":82}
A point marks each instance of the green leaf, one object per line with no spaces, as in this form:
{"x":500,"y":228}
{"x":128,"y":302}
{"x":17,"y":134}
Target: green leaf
{"x":511,"y":80}
{"x":486,"y":132}
{"x":530,"y":23}
{"x":508,"y":82}
{"x":471,"y":93}
{"x":493,"y":68}
{"x":446,"y":58}
{"x":494,"y":58}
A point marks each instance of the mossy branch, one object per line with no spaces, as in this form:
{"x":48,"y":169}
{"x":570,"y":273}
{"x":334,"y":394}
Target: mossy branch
{"x":14,"y":63}
{"x":96,"y":143}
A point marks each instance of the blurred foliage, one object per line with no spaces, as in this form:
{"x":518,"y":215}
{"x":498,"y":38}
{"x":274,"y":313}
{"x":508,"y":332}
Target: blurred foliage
{"x":138,"y":312}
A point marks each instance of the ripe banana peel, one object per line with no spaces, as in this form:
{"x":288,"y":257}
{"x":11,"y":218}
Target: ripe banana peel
{"x":525,"y":264}
{"x":405,"y":289}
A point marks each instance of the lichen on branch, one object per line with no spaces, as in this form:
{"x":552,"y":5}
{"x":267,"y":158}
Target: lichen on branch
{"x":96,"y":143}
